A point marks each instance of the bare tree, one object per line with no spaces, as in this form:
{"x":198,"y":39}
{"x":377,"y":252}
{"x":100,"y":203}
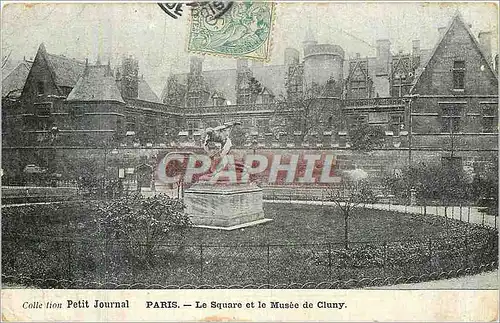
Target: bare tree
{"x":302,"y":113}
{"x":353,"y":191}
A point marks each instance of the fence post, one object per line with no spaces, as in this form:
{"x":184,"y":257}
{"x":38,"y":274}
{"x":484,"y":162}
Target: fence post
{"x":109,"y":253}
{"x":385,"y":257}
{"x":268,"y":267}
{"x":430,"y":255}
{"x":495,"y":222}
{"x":460,"y":212}
{"x":468,"y":215}
{"x":69,"y":260}
{"x":466,"y":252}
{"x":201,"y":264}
{"x":482,"y":221}
{"x":330,"y":260}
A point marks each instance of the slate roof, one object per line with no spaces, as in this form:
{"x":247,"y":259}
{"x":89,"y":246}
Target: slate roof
{"x":223,"y":81}
{"x":96,"y":84}
{"x":13,"y":83}
{"x":146,"y":93}
{"x":67,"y":70}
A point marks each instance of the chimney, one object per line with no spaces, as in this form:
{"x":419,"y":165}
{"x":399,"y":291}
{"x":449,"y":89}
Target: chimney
{"x":86,"y":69}
{"x":485,"y":44}
{"x":358,"y":55}
{"x":196,"y":65}
{"x":415,"y":47}
{"x":130,"y":77}
{"x":241,"y":64}
{"x":291,"y":56}
{"x":441,"y":31}
{"x":383,"y":57}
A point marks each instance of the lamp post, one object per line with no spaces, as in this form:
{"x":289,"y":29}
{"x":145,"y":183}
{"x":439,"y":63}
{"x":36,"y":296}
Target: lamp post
{"x":54,"y":132}
{"x":411,"y":97}
{"x":410,"y":127}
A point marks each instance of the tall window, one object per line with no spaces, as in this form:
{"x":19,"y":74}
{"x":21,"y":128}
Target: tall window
{"x":458,"y":75}
{"x":396,"y":123}
{"x":450,"y":119}
{"x":194,"y":100}
{"x":130,"y":123}
{"x":489,"y":117}
{"x":40,"y":87}
{"x":193,"y":126}
{"x":244,"y":96}
{"x":119,"y":126}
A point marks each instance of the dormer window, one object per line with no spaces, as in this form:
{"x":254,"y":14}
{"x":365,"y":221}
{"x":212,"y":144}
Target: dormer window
{"x":459,"y":75}
{"x":40,"y":87}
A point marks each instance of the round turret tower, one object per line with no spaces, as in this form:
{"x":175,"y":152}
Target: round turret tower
{"x":323,"y":62}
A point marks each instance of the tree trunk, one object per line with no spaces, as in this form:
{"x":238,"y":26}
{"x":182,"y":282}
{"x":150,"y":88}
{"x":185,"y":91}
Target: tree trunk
{"x":346,"y":231}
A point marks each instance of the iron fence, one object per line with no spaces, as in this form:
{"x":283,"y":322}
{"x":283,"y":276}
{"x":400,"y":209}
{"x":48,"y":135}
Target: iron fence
{"x":58,"y":262}
{"x":464,"y":213}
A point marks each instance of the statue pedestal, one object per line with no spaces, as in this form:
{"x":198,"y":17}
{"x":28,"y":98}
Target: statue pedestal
{"x":226,"y":206}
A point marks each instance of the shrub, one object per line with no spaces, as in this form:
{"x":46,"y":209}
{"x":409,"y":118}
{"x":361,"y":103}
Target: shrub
{"x":141,"y":223}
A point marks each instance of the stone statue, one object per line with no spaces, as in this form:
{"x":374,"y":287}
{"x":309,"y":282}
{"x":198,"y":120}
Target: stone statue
{"x":220,"y":199}
{"x":217,"y":144}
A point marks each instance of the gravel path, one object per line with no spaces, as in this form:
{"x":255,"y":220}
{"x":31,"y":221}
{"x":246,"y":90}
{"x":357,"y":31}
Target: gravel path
{"x":486,"y":280}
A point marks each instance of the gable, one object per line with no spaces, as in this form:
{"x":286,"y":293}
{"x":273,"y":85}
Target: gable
{"x":40,"y":73}
{"x":13,"y":83}
{"x":359,"y":70}
{"x":457,"y":44}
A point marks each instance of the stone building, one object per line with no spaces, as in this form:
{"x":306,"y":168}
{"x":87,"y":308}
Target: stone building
{"x":441,"y":102}
{"x":88,"y":104}
{"x":377,"y":91}
{"x":454,"y":100}
{"x":66,"y":103}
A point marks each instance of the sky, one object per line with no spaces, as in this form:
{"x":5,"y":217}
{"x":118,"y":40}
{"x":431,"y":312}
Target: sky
{"x":159,"y":42}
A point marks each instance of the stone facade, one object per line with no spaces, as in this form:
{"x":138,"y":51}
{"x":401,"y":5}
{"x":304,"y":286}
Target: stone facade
{"x":444,"y":100}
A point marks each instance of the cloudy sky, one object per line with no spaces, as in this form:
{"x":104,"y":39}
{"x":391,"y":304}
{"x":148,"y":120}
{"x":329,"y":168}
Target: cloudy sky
{"x":144,"y":31}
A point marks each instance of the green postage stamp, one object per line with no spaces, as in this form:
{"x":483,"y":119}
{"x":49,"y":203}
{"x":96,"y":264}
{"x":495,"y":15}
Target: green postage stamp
{"x":243,"y":31}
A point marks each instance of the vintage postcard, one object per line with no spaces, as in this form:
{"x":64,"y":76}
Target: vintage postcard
{"x":249,"y":161}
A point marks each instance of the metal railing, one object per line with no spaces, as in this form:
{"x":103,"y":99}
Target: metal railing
{"x":56,"y":262}
{"x":373,"y":102}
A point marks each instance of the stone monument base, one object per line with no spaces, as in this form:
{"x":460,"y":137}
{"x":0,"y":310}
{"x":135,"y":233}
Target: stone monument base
{"x":227,"y":206}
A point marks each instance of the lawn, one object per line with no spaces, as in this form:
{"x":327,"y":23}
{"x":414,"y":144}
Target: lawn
{"x":292,"y":224}
{"x":306,"y":224}
{"x":302,"y":244}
